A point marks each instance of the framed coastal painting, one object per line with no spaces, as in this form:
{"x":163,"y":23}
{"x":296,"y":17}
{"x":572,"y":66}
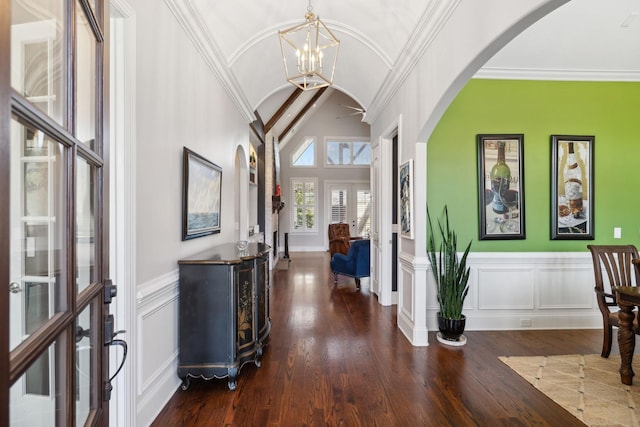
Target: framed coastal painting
{"x":202,"y":186}
{"x":501,"y":186}
{"x":572,"y":187}
{"x":405,"y":174}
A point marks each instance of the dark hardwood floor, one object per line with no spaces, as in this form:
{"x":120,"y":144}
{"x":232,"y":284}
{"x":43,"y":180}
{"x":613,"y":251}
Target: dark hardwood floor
{"x":336,"y":358}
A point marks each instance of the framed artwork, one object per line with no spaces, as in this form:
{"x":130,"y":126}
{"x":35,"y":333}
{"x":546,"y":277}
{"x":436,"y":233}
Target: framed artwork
{"x":501,"y":186}
{"x":202,"y":186}
{"x":406,"y":199}
{"x":572,"y":187}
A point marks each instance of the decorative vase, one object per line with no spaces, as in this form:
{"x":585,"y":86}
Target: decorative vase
{"x":451,"y":329}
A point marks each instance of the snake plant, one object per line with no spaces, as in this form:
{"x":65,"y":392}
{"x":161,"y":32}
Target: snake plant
{"x":450,"y":272}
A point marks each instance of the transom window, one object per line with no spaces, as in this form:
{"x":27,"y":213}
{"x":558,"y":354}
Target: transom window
{"x":348,"y":152}
{"x":305,"y":154}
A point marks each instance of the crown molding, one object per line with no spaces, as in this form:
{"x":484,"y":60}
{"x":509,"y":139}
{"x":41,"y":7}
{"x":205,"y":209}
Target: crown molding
{"x":428,"y":27}
{"x":561,"y":75}
{"x":196,"y":30}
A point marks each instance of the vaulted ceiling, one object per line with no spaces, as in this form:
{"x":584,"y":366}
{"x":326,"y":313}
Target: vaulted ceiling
{"x":380,"y":40}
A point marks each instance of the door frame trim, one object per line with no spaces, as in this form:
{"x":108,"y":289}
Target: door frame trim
{"x":123,"y":405}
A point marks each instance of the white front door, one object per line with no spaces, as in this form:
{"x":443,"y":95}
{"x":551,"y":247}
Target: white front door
{"x":350,"y":203}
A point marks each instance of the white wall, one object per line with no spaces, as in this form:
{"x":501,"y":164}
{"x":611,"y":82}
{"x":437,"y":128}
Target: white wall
{"x":179,"y":103}
{"x":323,"y":123}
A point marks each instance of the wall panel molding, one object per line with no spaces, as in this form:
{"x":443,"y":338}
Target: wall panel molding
{"x":157,"y":355}
{"x":526,"y":290}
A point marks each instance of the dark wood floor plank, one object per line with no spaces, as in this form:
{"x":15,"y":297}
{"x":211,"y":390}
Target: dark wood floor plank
{"x":337,"y":358}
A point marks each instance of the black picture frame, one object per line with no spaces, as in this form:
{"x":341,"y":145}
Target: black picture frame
{"x":572,"y":217}
{"x":201,"y":196}
{"x":501,"y":200}
{"x":405,"y":174}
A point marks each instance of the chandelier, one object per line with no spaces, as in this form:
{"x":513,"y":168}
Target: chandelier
{"x":309,"y":53}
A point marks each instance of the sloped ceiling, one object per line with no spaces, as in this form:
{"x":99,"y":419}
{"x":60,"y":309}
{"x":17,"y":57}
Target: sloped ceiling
{"x":595,"y":39}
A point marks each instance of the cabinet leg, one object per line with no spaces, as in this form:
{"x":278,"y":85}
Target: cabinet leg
{"x":233,"y":374}
{"x":186,"y":382}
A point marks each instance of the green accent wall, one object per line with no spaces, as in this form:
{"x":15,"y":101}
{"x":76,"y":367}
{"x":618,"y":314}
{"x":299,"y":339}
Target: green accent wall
{"x":610,"y":111}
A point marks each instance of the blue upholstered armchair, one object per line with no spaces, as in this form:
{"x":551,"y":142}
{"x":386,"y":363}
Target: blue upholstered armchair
{"x":355,"y":264}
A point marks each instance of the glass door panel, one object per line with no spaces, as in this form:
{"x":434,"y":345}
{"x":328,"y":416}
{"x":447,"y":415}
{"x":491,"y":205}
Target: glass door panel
{"x":363,"y":211}
{"x":32,"y":398}
{"x":85,"y":225}
{"x":38,"y":54}
{"x":85,"y":354}
{"x":38,"y":197}
{"x":351,"y":203}
{"x":339,"y":204}
{"x":86,"y":80}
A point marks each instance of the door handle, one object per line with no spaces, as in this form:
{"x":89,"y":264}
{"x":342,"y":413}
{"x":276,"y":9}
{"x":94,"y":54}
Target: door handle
{"x":82,"y":333}
{"x":109,"y":340}
{"x":14,"y":287}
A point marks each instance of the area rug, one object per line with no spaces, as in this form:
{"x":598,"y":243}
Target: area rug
{"x":588,"y":386}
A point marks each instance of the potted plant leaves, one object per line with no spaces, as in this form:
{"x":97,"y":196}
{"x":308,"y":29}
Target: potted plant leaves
{"x":451,"y":275}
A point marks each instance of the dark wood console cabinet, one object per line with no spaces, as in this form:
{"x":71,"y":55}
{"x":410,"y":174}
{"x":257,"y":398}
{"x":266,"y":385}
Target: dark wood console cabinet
{"x":223,"y":312}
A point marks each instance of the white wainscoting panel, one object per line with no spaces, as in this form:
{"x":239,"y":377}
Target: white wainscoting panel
{"x":412,"y":299}
{"x":504,"y":288}
{"x":157,"y":361}
{"x":566,"y":287}
{"x":541,"y":290}
{"x":405,"y":293}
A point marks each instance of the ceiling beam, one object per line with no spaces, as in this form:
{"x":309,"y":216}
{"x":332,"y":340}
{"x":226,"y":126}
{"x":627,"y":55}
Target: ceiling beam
{"x":302,"y":112}
{"x":283,"y":108}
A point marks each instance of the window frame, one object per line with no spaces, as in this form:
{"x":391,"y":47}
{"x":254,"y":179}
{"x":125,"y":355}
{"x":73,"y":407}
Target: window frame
{"x":294,"y":205}
{"x":305,"y":142}
{"x":350,"y":141}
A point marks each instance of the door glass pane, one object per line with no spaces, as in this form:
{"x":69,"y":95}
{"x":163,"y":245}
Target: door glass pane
{"x":86,"y":82}
{"x":85,"y":225}
{"x":363,"y":207}
{"x":38,"y":54}
{"x":85,"y":345}
{"x":38,"y":197}
{"x":37,"y":376}
{"x":32,"y":400}
{"x":338,"y":205}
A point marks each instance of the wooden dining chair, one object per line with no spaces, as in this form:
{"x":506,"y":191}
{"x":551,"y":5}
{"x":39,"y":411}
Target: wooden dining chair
{"x":613,"y":265}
